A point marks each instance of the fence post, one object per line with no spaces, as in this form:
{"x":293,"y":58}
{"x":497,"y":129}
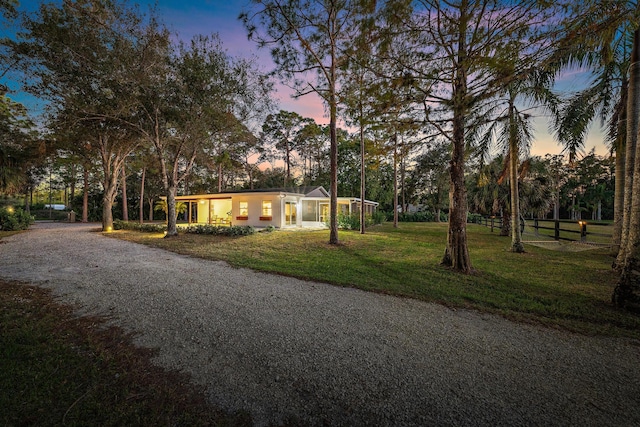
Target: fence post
{"x":492,"y":224}
{"x":535,"y":226}
{"x":583,"y":230}
{"x":556,"y":231}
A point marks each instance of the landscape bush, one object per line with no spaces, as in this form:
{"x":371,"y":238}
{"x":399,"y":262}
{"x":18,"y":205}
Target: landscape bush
{"x":213,"y":230}
{"x":148,"y":228}
{"x":352,"y":221}
{"x":419,"y":216}
{"x":474,"y":218}
{"x":14,"y":219}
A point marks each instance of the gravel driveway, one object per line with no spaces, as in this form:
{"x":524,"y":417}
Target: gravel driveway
{"x":286,"y":349}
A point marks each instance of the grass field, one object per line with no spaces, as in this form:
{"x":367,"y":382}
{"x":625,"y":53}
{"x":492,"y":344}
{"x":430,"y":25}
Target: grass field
{"x":568,"y":290}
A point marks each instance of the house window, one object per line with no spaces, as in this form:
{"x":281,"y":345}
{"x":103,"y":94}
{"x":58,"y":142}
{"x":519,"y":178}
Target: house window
{"x":244,"y":208}
{"x":266,"y":210}
{"x":243,"y":211}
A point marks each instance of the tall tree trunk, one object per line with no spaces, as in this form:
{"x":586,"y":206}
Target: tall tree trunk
{"x":618,"y":203}
{"x":72,"y":184}
{"x":111,"y":164}
{"x":150,"y":208}
{"x":287,"y":176}
{"x":395,"y":180}
{"x":85,"y":193}
{"x":633,"y":125}
{"x":556,"y":198}
{"x":333,"y":137}
{"x":172,"y":228}
{"x":144,"y":170}
{"x":516,"y":236}
{"x":110,"y":190}
{"x":403,"y":193}
{"x":456,"y":254}
{"x":627,"y":291}
{"x":125,"y":205}
{"x":362,"y":174}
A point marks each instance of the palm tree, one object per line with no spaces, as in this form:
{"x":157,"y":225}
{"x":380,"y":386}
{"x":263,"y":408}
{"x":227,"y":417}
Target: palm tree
{"x":606,"y":99}
{"x":488,"y":193}
{"x":628,"y":259}
{"x":600,"y":39}
{"x":161,"y":205}
{"x":513,"y":131}
{"x":598,"y":35}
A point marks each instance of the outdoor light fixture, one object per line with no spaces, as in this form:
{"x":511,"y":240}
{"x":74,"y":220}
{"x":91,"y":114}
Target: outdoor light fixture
{"x":10,"y":209}
{"x":109,"y":229}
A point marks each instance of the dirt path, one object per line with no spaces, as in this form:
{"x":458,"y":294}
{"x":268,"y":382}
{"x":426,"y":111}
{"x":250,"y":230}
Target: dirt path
{"x":286,"y":349}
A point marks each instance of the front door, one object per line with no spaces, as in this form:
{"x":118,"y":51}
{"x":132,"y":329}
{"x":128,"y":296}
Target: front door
{"x":290,"y":213}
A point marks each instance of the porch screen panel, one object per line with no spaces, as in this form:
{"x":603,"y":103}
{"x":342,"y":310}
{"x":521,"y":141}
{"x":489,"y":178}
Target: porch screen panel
{"x":309,"y":210}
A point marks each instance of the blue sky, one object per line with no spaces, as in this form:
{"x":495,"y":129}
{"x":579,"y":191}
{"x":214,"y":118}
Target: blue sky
{"x":187,"y":18}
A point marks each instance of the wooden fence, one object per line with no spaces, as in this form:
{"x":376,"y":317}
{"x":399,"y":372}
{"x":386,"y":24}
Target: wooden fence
{"x":569,"y":230}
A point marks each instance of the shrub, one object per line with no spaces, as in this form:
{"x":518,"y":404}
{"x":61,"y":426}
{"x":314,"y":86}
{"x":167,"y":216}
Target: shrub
{"x":378,"y":217}
{"x":474,"y":218}
{"x":147,"y":228}
{"x":14,"y":219}
{"x":215,"y":230}
{"x":419,"y":216}
{"x":352,"y":221}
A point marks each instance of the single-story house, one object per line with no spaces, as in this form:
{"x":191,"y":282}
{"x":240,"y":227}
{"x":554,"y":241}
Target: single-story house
{"x":277,"y":207}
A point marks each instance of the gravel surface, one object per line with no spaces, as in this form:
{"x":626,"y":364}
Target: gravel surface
{"x":289,"y":350}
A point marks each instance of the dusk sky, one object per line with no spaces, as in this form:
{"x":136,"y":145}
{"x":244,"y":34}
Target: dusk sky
{"x":187,"y":18}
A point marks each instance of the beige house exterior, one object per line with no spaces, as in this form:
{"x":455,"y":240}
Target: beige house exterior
{"x":303,"y":207}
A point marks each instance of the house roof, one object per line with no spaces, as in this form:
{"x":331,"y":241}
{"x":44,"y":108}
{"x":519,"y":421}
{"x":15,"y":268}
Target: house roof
{"x":309,"y":191}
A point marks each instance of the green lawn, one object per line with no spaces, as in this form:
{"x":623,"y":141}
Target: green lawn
{"x":569,"y":290}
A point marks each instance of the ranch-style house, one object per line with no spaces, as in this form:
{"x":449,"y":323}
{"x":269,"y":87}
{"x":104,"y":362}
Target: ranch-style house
{"x":300,"y":207}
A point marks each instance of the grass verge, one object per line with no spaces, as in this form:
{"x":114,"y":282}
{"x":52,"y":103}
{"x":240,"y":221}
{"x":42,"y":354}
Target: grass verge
{"x":58,"y":369}
{"x":570,"y":291}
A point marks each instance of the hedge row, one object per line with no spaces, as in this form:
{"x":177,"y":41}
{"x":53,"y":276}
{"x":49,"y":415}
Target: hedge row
{"x":213,"y":230}
{"x":216,"y":230}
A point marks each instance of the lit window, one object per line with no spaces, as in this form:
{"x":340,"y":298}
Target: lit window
{"x":244,"y":208}
{"x":266,"y":208}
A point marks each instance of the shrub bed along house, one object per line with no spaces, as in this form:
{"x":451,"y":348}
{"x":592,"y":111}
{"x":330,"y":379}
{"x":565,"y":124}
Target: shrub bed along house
{"x":213,"y":230}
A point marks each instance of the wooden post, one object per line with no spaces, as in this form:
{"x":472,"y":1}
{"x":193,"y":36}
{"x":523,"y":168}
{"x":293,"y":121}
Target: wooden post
{"x":556,"y":234}
{"x":583,"y":230}
{"x":535,"y":226}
